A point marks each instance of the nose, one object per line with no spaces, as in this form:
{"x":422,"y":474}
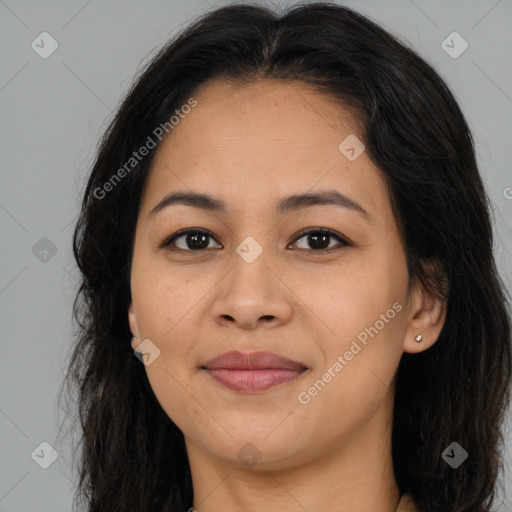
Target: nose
{"x":252,"y":295}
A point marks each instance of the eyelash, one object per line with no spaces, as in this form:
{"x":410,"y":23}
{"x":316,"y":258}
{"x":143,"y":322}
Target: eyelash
{"x":324,"y":231}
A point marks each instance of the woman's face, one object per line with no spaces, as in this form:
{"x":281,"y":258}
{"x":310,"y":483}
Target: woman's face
{"x":254,"y":283}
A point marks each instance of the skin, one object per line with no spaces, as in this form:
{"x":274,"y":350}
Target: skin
{"x":250,"y":146}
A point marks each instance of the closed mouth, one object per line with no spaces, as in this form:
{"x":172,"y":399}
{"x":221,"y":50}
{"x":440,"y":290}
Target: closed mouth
{"x":252,"y":372}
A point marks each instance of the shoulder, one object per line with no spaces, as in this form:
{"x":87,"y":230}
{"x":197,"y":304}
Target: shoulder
{"x":406,"y":504}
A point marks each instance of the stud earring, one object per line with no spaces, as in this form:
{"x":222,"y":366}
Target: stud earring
{"x":418,"y":338}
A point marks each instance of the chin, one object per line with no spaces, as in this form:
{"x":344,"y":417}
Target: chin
{"x":247,"y":449}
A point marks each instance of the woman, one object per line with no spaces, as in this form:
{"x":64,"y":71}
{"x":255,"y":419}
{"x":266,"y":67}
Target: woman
{"x":286,"y":225}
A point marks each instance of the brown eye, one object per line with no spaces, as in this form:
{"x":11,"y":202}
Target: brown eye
{"x":189,"y":239}
{"x":319,"y":240}
{"x":196,"y":240}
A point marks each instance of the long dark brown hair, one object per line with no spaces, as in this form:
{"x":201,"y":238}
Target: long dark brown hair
{"x":131,"y":456}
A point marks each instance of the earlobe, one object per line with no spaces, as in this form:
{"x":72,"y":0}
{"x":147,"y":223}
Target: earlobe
{"x":428,"y":315}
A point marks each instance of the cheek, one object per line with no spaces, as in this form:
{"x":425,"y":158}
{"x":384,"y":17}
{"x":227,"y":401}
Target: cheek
{"x":359,"y":368}
{"x":367,"y":321}
{"x":169,"y":306}
{"x":161,"y":300}
{"x":165,"y":316}
{"x":170,"y":388}
{"x":355,"y":297}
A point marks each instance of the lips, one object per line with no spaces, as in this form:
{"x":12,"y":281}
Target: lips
{"x":252,"y":361}
{"x":253,"y":371}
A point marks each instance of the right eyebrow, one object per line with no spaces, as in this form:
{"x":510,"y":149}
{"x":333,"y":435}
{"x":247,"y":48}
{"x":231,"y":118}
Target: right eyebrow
{"x":197,"y":200}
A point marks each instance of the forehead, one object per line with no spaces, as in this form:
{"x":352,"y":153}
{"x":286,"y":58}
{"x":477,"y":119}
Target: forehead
{"x":265,"y":138}
{"x":264,"y":110}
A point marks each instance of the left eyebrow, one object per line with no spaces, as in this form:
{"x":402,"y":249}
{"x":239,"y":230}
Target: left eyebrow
{"x":323,"y":197}
{"x":285,"y":205}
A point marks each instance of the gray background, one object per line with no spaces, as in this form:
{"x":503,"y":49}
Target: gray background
{"x":53,"y":112}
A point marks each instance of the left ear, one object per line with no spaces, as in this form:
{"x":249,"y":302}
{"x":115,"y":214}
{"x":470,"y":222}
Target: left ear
{"x":134,"y":328}
{"x":427,"y":318}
